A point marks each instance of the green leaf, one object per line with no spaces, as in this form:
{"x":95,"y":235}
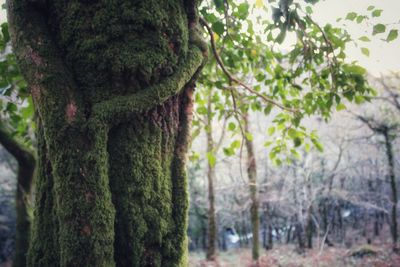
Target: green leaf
{"x":231,"y":126}
{"x":295,"y":153}
{"x":219,"y":4}
{"x":359,"y":99}
{"x":307,"y":148}
{"x":318,"y":145}
{"x":377,"y":13}
{"x":218,"y":27}
{"x":292,"y":133}
{"x":268,"y":143}
{"x":272,"y":154}
{"x":211,"y":159}
{"x":249,"y":136}
{"x":393,"y":34}
{"x":364,"y":39}
{"x":378,"y":28}
{"x":271,"y":130}
{"x":365,"y":51}
{"x":278,"y":162}
{"x":309,"y":10}
{"x":243,"y":10}
{"x":4,"y":31}
{"x":297,"y":141}
{"x":360,"y":19}
{"x":354,"y":69}
{"x":370,"y":8}
{"x":228,"y":151}
{"x":235,"y":144}
{"x":340,"y":107}
{"x":11,"y":107}
{"x":202,"y":110}
{"x":351,"y":16}
{"x":268,"y":109}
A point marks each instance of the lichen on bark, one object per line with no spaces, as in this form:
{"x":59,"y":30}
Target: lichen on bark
{"x":111,"y":82}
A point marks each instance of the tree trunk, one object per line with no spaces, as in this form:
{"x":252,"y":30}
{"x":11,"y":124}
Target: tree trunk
{"x":112,"y":86}
{"x":270,"y":237}
{"x":389,"y":154}
{"x":288,"y":235}
{"x":309,"y":227}
{"x":252,"y":175}
{"x":26,"y":167}
{"x":212,"y":226}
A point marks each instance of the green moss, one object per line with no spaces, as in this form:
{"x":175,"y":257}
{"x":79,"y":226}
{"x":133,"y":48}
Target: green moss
{"x":100,"y":37}
{"x":44,"y":248}
{"x":112,"y":182}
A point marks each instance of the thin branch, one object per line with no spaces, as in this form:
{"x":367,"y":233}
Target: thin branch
{"x":234,"y":79}
{"x":222,"y":136}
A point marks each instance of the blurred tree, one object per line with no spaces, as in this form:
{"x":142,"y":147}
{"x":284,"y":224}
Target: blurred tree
{"x":388,"y":130}
{"x":26,"y":167}
{"x":16,"y":137}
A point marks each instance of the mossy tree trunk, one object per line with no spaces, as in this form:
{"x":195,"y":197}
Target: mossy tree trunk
{"x":26,"y":167}
{"x":252,"y":175}
{"x":112,"y":85}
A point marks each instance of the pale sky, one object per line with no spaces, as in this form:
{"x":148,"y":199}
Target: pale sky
{"x":384,"y":57}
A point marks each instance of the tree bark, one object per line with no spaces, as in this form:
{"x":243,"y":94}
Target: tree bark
{"x":252,"y":175}
{"x":26,"y":167}
{"x":112,"y":85}
{"x":212,"y":226}
{"x":309,"y":227}
{"x":393,"y":185}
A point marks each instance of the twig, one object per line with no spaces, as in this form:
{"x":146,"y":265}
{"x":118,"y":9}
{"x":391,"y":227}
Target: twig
{"x":324,"y":239}
{"x":234,"y":79}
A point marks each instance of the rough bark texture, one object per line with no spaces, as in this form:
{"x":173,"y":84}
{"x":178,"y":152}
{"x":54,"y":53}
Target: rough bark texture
{"x":252,"y":175}
{"x":112,"y":84}
{"x":212,"y":226}
{"x":26,"y":167}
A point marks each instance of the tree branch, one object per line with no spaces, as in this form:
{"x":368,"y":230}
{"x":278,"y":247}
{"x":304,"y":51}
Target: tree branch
{"x":120,"y":107}
{"x":234,"y":79}
{"x":23,"y":156}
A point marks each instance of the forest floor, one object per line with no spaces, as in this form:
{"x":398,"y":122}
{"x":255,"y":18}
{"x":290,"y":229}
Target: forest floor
{"x":286,"y":256}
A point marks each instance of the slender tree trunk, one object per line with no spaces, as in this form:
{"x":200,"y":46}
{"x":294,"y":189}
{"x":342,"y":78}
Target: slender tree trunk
{"x":112,"y":86}
{"x":309,"y":227}
{"x":264,"y":235}
{"x":309,"y":222}
{"x":270,"y":237}
{"x":244,"y":230}
{"x":252,"y":175}
{"x":289,"y":233}
{"x":376,"y":224}
{"x":212,"y":226}
{"x":26,"y":167}
{"x":204,"y":237}
{"x":298,"y":226}
{"x":393,"y":185}
{"x":299,"y":232}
